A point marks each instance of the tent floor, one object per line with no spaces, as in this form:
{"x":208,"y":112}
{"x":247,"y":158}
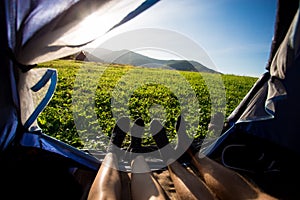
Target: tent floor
{"x":33,"y":174}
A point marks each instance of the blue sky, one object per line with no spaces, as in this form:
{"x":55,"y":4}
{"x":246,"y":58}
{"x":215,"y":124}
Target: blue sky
{"x":236,"y":34}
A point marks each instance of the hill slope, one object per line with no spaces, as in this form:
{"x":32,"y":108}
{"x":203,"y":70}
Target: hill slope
{"x":136,"y":59}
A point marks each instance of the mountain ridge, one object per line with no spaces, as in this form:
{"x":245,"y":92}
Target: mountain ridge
{"x":132,"y":58}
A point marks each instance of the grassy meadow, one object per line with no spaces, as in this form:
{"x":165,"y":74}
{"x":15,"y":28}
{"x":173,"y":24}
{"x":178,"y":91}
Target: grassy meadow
{"x":89,"y":97}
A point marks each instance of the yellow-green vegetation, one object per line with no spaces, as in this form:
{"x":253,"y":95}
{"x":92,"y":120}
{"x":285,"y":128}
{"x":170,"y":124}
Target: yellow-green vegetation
{"x":89,"y":97}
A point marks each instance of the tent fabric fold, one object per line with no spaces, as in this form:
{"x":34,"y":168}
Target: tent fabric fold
{"x":287,"y":51}
{"x":271,"y":109}
{"x":285,"y":12}
{"x":38,"y":34}
{"x":32,"y":33}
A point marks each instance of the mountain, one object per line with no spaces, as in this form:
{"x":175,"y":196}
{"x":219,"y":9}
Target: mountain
{"x":135,"y":59}
{"x":124,"y":57}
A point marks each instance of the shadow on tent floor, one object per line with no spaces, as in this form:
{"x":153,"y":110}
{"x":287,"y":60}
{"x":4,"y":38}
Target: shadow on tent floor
{"x":28,"y":173}
{"x":274,"y":169}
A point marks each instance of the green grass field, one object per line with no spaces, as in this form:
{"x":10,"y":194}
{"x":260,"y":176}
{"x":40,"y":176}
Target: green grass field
{"x":90,"y":96}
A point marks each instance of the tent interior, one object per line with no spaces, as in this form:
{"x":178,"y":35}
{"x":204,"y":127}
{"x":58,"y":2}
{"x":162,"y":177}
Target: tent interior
{"x":259,"y":139}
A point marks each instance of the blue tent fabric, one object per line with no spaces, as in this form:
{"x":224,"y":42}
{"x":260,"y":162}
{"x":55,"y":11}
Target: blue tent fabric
{"x":144,"y":6}
{"x":8,"y":91}
{"x":41,"y":141}
{"x":50,"y":75}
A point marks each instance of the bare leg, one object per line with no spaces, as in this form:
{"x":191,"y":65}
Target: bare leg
{"x":187,"y":185}
{"x":226,"y":183}
{"x":107,"y":184}
{"x":143,"y":184}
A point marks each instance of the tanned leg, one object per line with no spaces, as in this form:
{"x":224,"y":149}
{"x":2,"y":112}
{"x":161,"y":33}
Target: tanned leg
{"x":226,"y":183}
{"x":187,"y":185}
{"x":143,"y":184}
{"x":107,"y":184}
